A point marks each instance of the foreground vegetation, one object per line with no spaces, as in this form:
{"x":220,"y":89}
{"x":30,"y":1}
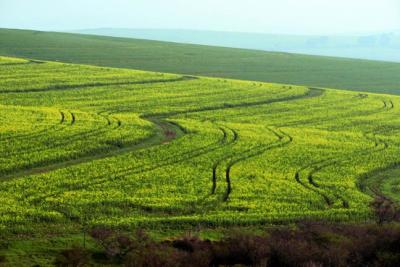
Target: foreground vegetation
{"x":310,"y":244}
{"x":232,"y":63}
{"x":86,"y":147}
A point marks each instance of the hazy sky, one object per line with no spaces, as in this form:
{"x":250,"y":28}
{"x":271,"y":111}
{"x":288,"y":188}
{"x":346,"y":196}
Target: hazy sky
{"x":272,"y":16}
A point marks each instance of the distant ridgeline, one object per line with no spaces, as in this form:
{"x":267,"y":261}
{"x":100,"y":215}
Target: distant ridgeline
{"x":384,"y":46}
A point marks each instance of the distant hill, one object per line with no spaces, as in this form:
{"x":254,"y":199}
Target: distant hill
{"x":382,"y":46}
{"x":318,"y":71}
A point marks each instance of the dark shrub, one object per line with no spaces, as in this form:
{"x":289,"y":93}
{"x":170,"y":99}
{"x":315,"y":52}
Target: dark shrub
{"x":307,"y":245}
{"x":374,"y":246}
{"x":240,"y":249}
{"x":385,"y":210}
{"x":193,"y":252}
{"x":183,"y":244}
{"x":74,"y":257}
{"x":152,"y":255}
{"x":312,"y":244}
{"x":101,"y":235}
{"x":115,"y":245}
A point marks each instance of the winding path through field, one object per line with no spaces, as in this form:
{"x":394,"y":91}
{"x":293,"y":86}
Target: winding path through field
{"x":166,"y":132}
{"x":162,"y":135}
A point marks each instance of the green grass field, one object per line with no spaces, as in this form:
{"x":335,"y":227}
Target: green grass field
{"x":361,"y":75}
{"x":83,"y":146}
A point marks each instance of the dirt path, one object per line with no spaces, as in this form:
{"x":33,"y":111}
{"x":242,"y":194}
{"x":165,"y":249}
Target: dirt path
{"x":166,"y":132}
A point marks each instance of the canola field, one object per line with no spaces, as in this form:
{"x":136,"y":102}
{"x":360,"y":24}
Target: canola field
{"x":83,"y":146}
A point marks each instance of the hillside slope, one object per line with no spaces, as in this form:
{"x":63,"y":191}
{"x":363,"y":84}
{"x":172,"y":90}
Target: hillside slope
{"x":84,"y":146}
{"x":242,"y":64}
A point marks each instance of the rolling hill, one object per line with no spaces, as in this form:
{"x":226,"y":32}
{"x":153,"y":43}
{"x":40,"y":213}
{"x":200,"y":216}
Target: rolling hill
{"x":85,"y":147}
{"x":317,"y":71}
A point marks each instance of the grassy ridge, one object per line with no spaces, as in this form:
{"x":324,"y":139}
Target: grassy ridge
{"x":242,"y":64}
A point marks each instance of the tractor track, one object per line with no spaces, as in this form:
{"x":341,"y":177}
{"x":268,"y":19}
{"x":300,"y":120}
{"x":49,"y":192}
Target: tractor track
{"x":254,"y":152}
{"x":68,"y":140}
{"x":312,"y":92}
{"x":173,"y":159}
{"x":37,"y":133}
{"x":73,"y":118}
{"x":62,"y":117}
{"x":215,"y":166}
{"x":334,"y":117}
{"x":38,"y":167}
{"x":379,"y":145}
{"x":374,"y":189}
{"x":178,"y":158}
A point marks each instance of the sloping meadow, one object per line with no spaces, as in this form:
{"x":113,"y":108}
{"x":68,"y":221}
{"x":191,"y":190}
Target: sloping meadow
{"x":85,"y":146}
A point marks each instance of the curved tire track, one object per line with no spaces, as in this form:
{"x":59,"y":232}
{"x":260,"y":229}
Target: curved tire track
{"x":217,"y":163}
{"x":254,"y":152}
{"x":379,"y":145}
